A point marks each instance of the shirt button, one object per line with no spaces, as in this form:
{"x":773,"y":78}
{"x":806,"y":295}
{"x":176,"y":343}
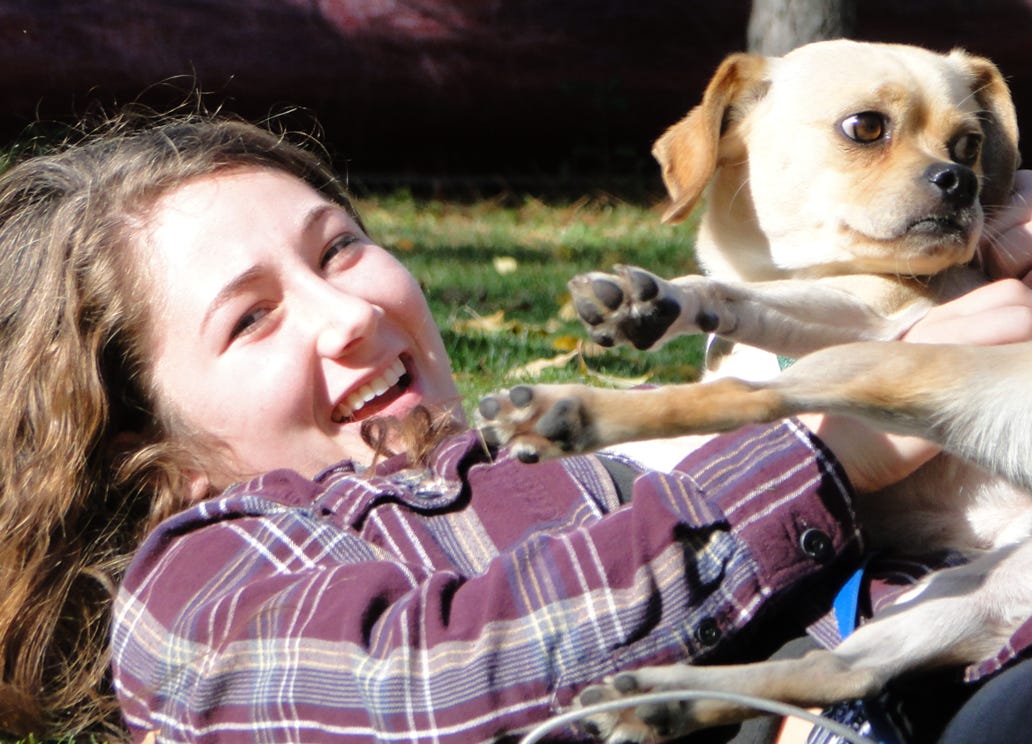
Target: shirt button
{"x":708,"y":632}
{"x":817,"y":545}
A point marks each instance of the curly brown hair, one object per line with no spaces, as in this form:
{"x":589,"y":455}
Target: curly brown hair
{"x":86,"y":466}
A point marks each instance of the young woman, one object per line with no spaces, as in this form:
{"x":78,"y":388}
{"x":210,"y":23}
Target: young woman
{"x":199,"y":341}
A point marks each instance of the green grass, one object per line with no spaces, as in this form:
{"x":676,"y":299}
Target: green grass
{"x":495,"y":272}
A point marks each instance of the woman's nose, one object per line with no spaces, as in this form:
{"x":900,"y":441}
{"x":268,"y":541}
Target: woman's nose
{"x":339,"y":322}
{"x":332,"y":342}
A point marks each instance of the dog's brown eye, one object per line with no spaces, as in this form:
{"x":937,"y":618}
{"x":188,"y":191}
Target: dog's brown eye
{"x":868,"y":126}
{"x":966,"y":148}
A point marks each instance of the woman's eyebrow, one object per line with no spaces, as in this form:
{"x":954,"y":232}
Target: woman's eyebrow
{"x":232,"y":288}
{"x":317,"y":214}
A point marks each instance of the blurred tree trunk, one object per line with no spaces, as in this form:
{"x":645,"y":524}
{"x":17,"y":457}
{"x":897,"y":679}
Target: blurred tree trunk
{"x":778,"y":26}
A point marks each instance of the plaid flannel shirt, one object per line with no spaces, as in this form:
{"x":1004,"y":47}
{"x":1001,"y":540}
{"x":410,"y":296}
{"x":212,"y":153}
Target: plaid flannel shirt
{"x":466,"y":601}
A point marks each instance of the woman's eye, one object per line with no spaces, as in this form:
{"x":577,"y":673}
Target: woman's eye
{"x":339,"y":246}
{"x":865,"y":127}
{"x":247,"y":322}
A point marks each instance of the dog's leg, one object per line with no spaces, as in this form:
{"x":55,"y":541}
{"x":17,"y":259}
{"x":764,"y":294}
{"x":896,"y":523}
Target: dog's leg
{"x":933,"y":391}
{"x":863,"y":379}
{"x":954,"y":617}
{"x":553,"y":420}
{"x":789,"y":317}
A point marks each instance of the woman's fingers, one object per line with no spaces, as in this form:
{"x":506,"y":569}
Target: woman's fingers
{"x":998,"y":313}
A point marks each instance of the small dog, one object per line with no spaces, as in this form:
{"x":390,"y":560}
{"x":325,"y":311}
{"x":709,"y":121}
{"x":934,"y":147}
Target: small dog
{"x":847,"y":185}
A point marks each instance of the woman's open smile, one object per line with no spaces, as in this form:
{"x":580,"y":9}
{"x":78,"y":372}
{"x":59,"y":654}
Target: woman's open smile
{"x":374,"y":395}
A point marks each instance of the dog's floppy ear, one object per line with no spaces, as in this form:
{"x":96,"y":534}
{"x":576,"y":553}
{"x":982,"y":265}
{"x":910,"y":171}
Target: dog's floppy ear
{"x":1000,"y":157}
{"x":689,"y":151}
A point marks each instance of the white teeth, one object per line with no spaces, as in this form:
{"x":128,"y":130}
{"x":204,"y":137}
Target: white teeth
{"x":372,"y":389}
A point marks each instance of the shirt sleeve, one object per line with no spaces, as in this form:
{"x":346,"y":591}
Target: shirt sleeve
{"x":284,"y":625}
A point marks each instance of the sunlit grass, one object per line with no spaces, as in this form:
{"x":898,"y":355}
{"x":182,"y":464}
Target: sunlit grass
{"x":495,"y":272}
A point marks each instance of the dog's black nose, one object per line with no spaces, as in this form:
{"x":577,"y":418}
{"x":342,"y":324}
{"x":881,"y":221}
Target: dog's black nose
{"x":957,"y":183}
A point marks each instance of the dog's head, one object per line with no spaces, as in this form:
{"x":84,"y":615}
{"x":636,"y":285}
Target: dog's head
{"x":846,"y":156}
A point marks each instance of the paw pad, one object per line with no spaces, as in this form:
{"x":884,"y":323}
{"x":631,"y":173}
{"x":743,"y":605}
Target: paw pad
{"x":608,"y":293}
{"x":643,"y":286}
{"x":521,"y":396}
{"x":489,"y":408}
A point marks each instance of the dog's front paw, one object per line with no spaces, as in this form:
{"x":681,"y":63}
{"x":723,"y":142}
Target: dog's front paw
{"x":635,"y":307}
{"x":539,"y":421}
{"x":634,"y":722}
{"x":630,"y":306}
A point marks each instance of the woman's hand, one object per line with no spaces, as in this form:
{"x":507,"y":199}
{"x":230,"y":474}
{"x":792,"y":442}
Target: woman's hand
{"x":997,"y":313}
{"x":1007,"y":246}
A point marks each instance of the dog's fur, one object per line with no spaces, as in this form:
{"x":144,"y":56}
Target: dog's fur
{"x":811,"y":238}
{"x":815,"y":242}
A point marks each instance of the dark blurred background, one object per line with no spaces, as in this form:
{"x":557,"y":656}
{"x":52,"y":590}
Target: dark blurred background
{"x":520,"y":93}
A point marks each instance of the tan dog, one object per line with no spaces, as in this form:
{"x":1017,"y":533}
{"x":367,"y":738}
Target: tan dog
{"x":862,"y":169}
{"x":846,"y":177}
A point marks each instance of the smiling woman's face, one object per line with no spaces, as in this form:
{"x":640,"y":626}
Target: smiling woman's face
{"x":279,"y":326}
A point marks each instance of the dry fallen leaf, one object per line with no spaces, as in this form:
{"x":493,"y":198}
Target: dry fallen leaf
{"x":505,"y":264}
{"x":497,"y":323}
{"x":493,"y":323}
{"x":620,"y":382}
{"x":566,"y":342}
{"x":536,"y":367}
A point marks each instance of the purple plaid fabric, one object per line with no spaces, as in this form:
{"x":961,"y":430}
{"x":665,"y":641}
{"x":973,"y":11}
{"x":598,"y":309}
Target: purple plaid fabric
{"x":462,"y":602}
